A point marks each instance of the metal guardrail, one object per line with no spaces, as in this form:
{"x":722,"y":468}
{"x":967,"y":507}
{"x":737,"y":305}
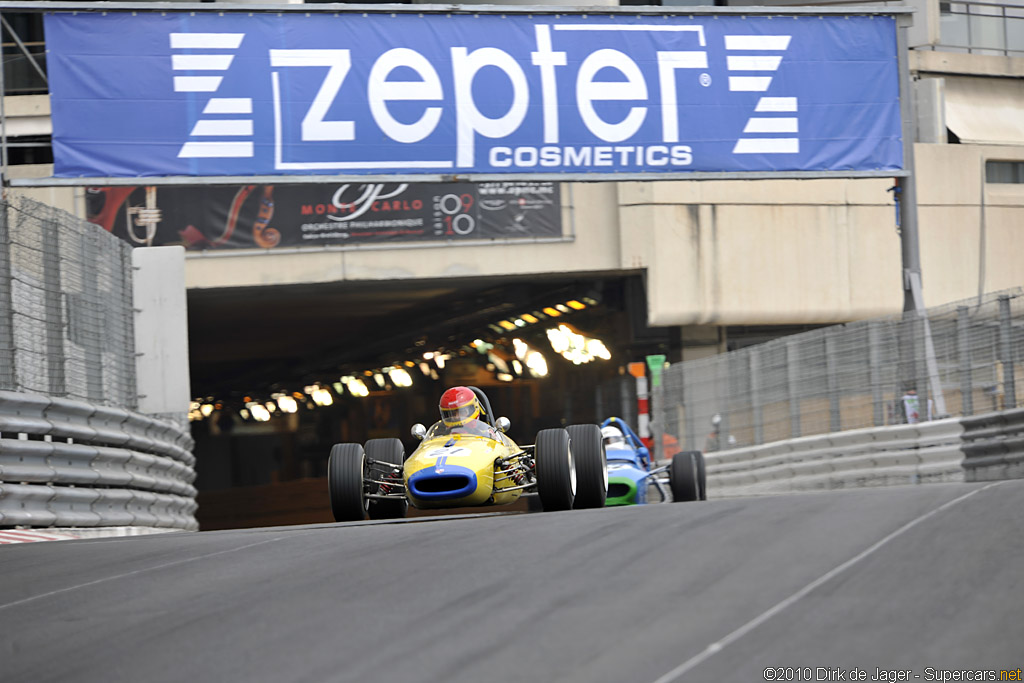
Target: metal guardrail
{"x":70,"y":463}
{"x":981,"y":28}
{"x":881,"y":456}
{"x":993,"y":446}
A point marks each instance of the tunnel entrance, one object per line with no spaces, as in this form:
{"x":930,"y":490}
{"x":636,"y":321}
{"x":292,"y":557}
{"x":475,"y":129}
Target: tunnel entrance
{"x":280,"y":374}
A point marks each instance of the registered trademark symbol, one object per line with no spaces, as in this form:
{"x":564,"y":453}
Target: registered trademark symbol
{"x":705,"y":79}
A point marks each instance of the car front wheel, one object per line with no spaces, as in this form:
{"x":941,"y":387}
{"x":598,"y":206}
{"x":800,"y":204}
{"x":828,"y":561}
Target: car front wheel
{"x":345,"y":482}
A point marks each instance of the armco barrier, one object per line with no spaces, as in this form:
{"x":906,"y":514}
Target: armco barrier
{"x":993,"y":445}
{"x":68,"y":463}
{"x":880,"y":456}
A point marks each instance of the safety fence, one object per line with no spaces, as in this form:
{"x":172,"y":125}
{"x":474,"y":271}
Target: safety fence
{"x":957,"y":360}
{"x":66,"y":314}
{"x":73,"y":450}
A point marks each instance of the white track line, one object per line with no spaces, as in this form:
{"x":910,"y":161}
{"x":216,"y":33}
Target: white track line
{"x":133,"y":573}
{"x":716,"y":647}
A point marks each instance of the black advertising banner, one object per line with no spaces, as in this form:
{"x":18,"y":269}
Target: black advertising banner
{"x":314,"y":215}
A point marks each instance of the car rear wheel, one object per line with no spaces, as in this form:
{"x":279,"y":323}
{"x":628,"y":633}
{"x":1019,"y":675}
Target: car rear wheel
{"x":556,"y":472}
{"x":702,"y":475}
{"x":345,"y":482}
{"x":684,"y":476}
{"x":591,"y":467}
{"x":387,"y":452}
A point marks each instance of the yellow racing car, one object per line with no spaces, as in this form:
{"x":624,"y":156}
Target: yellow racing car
{"x":466,"y":459}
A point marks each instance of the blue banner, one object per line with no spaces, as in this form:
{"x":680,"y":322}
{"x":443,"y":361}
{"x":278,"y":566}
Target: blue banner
{"x":238,"y":94}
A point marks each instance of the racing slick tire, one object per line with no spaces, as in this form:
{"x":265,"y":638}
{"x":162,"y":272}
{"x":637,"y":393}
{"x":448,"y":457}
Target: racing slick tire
{"x":345,"y":482}
{"x":591,"y":466}
{"x":684,"y":476}
{"x":702,"y":475}
{"x":393,"y":452}
{"x":556,"y":471}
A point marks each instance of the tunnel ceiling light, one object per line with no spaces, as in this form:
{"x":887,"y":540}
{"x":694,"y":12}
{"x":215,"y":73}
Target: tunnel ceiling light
{"x":534,"y":360}
{"x":529,"y":318}
{"x":286,"y":403}
{"x":321,"y":397}
{"x":507,"y":324}
{"x":552,"y":313}
{"x":429,"y":355}
{"x":504,"y":377}
{"x":271,"y":406}
{"x":379,"y":379}
{"x":258,"y":411}
{"x":244,"y":412}
{"x":400,"y":377}
{"x":563,"y":308}
{"x":357,"y":387}
{"x":206,"y":409}
{"x":517,"y":367}
{"x":576,"y":305}
{"x":498,"y":362}
{"x":575,"y":347}
{"x":339,"y":388}
{"x":589,"y":301}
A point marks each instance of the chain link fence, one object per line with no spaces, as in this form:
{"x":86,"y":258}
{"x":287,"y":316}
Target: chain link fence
{"x":66,"y":318}
{"x":957,"y":360}
{"x":596,"y":401}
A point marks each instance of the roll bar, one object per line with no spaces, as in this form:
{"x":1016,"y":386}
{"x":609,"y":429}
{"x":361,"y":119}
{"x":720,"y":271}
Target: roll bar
{"x":486,"y":404}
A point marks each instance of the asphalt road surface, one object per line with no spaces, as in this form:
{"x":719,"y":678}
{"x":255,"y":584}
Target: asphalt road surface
{"x":926,"y":579}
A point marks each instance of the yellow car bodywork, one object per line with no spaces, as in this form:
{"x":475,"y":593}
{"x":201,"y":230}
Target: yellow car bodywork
{"x":458,"y":470}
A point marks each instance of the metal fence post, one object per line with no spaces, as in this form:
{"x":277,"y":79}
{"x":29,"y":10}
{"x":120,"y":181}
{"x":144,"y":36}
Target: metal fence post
{"x":7,"y":373}
{"x":92,"y":340}
{"x":921,"y":366}
{"x":963,"y":324}
{"x":832,"y":381}
{"x":626,"y":406}
{"x":755,"y":396}
{"x":689,"y":409}
{"x":875,"y":374}
{"x":793,"y":387}
{"x":53,"y":306}
{"x":723,"y":396}
{"x":1006,"y":352}
{"x":126,"y":322}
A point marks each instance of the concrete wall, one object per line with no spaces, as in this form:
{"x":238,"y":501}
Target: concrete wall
{"x":763,"y":252}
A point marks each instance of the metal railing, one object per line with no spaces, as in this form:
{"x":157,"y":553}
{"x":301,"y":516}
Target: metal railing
{"x":981,"y":28}
{"x":871,"y":373}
